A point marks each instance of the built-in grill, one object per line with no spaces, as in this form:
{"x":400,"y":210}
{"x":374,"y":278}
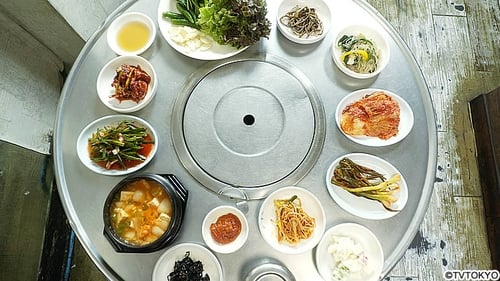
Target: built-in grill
{"x":253,"y":124}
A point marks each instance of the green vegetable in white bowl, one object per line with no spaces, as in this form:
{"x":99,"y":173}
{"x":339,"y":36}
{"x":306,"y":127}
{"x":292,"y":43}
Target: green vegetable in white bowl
{"x":238,"y":23}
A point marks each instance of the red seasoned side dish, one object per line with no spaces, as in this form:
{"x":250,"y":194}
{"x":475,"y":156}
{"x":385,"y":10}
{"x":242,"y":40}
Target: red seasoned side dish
{"x":130,"y":83}
{"x":226,"y":229}
{"x":375,"y":115}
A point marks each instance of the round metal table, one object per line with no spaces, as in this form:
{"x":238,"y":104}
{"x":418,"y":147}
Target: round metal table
{"x":83,"y":192}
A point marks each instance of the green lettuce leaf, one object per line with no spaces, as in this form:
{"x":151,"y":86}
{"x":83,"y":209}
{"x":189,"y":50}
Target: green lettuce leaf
{"x":238,"y":23}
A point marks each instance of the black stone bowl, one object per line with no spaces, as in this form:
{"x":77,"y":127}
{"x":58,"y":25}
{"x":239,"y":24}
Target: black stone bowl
{"x":178,"y":195}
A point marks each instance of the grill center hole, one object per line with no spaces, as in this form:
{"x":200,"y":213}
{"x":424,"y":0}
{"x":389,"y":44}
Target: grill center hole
{"x":248,"y":119}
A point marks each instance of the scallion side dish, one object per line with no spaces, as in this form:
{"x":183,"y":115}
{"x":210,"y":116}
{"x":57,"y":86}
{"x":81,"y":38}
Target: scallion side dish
{"x":365,"y":182}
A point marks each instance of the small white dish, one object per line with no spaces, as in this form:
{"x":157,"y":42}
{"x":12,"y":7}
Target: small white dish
{"x":405,"y":122}
{"x":112,"y":120}
{"x":119,"y":23}
{"x":360,"y":206}
{"x":215,"y":52}
{"x":105,"y":79}
{"x":212,"y":217}
{"x":360,"y":235}
{"x":373,"y":35}
{"x":165,"y":264}
{"x":267,"y":219}
{"x":322,"y":10}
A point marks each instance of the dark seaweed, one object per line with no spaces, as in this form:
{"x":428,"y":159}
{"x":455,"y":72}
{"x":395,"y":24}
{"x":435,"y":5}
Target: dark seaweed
{"x":188,"y":270}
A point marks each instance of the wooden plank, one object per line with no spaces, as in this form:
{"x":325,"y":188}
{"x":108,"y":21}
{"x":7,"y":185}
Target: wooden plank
{"x":485,"y":111}
{"x":449,"y":239}
{"x":438,"y":37}
{"x":449,"y":7}
{"x":454,"y":63}
{"x":493,"y":225}
{"x":486,"y":117}
{"x":467,"y":246}
{"x":484,"y":28}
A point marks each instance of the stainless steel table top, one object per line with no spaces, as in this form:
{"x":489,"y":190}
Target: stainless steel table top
{"x":83,"y":192}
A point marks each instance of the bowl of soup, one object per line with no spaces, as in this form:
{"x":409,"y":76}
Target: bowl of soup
{"x":144,"y":213}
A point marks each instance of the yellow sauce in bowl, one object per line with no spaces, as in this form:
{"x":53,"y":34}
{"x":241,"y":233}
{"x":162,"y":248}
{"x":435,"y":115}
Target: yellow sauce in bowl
{"x":133,"y":36}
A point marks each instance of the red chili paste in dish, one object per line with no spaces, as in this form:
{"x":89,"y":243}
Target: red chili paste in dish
{"x":226,"y":229}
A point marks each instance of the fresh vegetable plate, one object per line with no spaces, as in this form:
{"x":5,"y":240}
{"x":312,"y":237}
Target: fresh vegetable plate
{"x":361,"y":236}
{"x":113,"y":120}
{"x":214,"y":52}
{"x":360,"y":206}
{"x":165,"y":264}
{"x":405,"y":123}
{"x":267,"y":219}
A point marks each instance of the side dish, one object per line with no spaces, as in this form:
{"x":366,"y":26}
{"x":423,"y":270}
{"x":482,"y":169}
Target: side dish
{"x":303,"y":21}
{"x":347,"y":257}
{"x":238,"y":23}
{"x":226,"y":229}
{"x":141,"y":212}
{"x":292,"y":223}
{"x":133,"y":36}
{"x":130,"y":83}
{"x":366,"y":182}
{"x":359,"y":54}
{"x":374,"y":115}
{"x":120,"y":147}
{"x":191,"y":39}
{"x":188,"y":269}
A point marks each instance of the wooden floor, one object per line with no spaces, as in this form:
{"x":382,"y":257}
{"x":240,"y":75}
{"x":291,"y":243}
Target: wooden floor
{"x":485,"y":112}
{"x":456,"y":44}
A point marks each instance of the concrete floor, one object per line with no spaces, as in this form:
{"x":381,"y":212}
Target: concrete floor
{"x":26,"y":190}
{"x":24,"y":194}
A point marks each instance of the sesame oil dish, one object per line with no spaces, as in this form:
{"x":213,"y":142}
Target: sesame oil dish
{"x":133,"y":36}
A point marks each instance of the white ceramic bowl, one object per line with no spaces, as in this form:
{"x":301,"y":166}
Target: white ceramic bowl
{"x":378,"y":40}
{"x":364,"y":207}
{"x":120,"y":22}
{"x":215,"y":52}
{"x":322,"y":10}
{"x":310,"y":204}
{"x":106,"y":76}
{"x":405,"y":123}
{"x":165,"y":264}
{"x":212,"y":217}
{"x":113,"y":120}
{"x":361,"y":235}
